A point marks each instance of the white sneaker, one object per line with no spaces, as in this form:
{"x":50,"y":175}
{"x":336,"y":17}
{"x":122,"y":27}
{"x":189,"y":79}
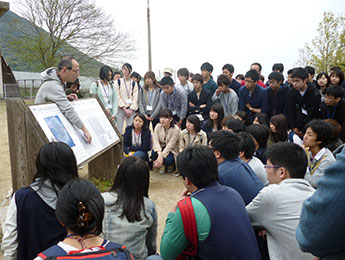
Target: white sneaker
{"x":162,"y":170}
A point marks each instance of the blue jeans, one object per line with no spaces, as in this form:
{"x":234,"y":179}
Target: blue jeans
{"x":169,"y":160}
{"x":141,"y":155}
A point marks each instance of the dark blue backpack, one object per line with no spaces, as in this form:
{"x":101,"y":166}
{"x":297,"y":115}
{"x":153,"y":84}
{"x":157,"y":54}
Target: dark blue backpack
{"x":112,"y":251}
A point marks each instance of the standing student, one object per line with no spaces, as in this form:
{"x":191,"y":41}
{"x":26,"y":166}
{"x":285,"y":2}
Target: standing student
{"x":255,"y":66}
{"x":135,"y":76}
{"x":252,"y":97}
{"x":130,"y":217}
{"x":149,"y":98}
{"x":206,"y":71}
{"x":315,"y":140}
{"x":183,"y":75}
{"x":31,"y":225}
{"x":106,"y":91}
{"x":226,"y":96}
{"x":304,"y":101}
{"x":174,"y":98}
{"x":277,"y":95}
{"x":166,"y":138}
{"x":137,"y":138}
{"x":199,"y":100}
{"x":215,"y":121}
{"x":228,"y":70}
{"x":127,"y":90}
{"x":192,"y":135}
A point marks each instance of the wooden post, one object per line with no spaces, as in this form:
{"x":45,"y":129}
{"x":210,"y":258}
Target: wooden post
{"x":25,"y":138}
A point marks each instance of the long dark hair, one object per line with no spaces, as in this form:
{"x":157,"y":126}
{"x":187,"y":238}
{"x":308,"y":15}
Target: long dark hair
{"x":218,"y":108}
{"x":80,"y":207}
{"x":56,"y":162}
{"x":142,"y":117}
{"x":132,"y":185}
{"x":279,"y":121}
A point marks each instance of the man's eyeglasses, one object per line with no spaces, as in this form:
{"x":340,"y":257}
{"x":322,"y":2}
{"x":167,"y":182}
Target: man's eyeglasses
{"x":271,"y":166}
{"x":75,"y":71}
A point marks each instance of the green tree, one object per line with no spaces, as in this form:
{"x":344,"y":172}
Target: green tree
{"x":69,"y":27}
{"x":327,"y":49}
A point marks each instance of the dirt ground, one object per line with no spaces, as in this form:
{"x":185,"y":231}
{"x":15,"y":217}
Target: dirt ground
{"x":164,"y":188}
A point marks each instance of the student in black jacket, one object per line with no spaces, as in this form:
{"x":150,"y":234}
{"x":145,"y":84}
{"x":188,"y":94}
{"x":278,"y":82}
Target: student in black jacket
{"x":277,"y":95}
{"x":137,"y":138}
{"x":304,"y":101}
{"x":200,"y":99}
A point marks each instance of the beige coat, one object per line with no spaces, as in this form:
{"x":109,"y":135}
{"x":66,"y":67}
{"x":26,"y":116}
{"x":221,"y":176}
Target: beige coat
{"x":168,"y":138}
{"x":201,"y":139}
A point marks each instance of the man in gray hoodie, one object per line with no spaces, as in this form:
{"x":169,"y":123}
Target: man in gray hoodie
{"x":53,"y":90}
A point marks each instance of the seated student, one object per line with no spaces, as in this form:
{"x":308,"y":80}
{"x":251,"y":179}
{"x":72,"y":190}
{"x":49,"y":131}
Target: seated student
{"x":277,"y":95}
{"x":130,"y":217}
{"x":174,"y":98}
{"x":206,"y":71}
{"x":105,"y":91}
{"x":80,"y":209}
{"x":233,"y":172}
{"x":226,"y":96}
{"x":304,"y":101}
{"x":200,"y":99}
{"x":192,"y":135}
{"x":241,"y":115}
{"x":183,"y":75}
{"x":277,"y":207}
{"x":288,"y":82}
{"x":311,"y":72}
{"x":315,"y":139}
{"x":223,"y":227}
{"x":321,"y":229}
{"x":137,"y":138}
{"x":247,"y":149}
{"x":234,"y":125}
{"x":216,"y":117}
{"x":73,"y":88}
{"x":260,"y":135}
{"x":333,"y":106}
{"x":279,"y":128}
{"x":24,"y":237}
{"x":252,"y":97}
{"x":335,"y":141}
{"x":149,"y":98}
{"x":228,"y":70}
{"x":166,"y":137}
{"x":261,"y":119}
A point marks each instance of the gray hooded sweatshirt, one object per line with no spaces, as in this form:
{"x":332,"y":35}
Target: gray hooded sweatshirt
{"x":52,"y":90}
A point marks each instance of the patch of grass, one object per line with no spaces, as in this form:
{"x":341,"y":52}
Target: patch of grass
{"x":102,"y":185}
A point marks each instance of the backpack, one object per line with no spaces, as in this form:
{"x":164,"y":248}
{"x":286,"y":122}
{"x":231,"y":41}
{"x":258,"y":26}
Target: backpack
{"x":110,"y":252}
{"x":190,"y":230}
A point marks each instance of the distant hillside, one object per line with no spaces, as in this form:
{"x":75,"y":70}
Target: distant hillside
{"x":89,"y":69}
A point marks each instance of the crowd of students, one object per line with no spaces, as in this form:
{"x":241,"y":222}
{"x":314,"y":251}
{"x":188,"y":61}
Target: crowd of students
{"x":257,"y":162}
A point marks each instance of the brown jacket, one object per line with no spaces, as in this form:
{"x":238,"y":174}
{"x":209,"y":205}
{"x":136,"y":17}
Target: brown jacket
{"x":166,"y":138}
{"x":201,"y":139}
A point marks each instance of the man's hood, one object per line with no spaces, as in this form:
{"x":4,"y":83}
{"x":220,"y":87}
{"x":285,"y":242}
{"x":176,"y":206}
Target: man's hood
{"x":50,"y":74}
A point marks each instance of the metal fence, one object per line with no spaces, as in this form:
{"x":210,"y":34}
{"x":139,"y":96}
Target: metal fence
{"x":26,"y":88}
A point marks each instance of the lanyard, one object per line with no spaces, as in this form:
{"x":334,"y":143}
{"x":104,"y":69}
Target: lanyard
{"x":335,"y":108}
{"x":191,"y":142}
{"x":149,"y":96}
{"x":137,"y":141}
{"x":105,"y":92}
{"x":124,"y":81}
{"x":227,"y":102}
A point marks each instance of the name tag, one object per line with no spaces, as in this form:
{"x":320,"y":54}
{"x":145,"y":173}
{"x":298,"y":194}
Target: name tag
{"x":304,"y":111}
{"x":174,"y":113}
{"x":129,"y":101}
{"x":109,"y":106}
{"x":149,"y":108}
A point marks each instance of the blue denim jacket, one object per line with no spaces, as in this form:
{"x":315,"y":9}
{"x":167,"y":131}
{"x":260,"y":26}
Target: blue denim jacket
{"x":139,"y":237}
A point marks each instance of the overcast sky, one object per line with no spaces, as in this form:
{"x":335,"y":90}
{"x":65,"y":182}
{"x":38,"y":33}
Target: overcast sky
{"x":186,"y":33}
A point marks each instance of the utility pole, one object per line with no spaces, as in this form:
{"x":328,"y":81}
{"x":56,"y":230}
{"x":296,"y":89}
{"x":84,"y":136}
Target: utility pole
{"x":149,"y":35}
